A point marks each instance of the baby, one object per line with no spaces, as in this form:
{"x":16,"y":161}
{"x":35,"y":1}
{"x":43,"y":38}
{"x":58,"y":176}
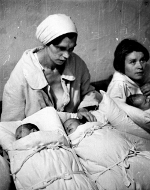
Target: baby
{"x":139,"y":100}
{"x":25,"y":129}
{"x":71,"y":125}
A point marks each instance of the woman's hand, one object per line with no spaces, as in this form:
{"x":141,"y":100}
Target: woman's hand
{"x":146,"y":89}
{"x":84,"y":113}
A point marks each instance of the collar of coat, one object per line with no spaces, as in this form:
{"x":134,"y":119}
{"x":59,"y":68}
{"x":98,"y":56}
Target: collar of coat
{"x":34,"y":74}
{"x":121,"y":77}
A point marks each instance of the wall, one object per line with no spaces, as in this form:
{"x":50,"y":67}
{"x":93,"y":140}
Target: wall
{"x":101,"y":25}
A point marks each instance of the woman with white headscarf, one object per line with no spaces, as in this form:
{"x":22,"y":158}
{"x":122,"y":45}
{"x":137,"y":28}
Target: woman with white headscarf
{"x":50,"y":75}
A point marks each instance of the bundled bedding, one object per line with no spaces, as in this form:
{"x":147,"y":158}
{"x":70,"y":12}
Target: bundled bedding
{"x":110,"y":159}
{"x":111,"y":154}
{"x":45,"y":160}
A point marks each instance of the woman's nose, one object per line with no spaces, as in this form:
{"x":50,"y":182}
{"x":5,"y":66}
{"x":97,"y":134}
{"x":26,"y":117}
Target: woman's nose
{"x":139,"y":64}
{"x":66,"y":54}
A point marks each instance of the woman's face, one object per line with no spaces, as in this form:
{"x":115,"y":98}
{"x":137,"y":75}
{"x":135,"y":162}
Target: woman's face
{"x":135,"y":65}
{"x":61,"y":52}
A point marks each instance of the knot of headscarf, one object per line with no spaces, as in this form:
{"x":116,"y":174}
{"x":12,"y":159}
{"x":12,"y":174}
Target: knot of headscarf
{"x":54,"y":26}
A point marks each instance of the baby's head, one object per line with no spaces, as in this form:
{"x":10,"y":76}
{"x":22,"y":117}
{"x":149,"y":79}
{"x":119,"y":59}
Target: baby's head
{"x":25,"y":129}
{"x":71,"y":125}
{"x":139,"y":100}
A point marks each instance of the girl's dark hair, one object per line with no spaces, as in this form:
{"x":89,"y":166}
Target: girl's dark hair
{"x":58,"y":40}
{"x":124,"y":48}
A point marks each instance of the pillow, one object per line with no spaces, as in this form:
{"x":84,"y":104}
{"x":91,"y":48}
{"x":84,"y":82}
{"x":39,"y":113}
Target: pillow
{"x":119,"y":119}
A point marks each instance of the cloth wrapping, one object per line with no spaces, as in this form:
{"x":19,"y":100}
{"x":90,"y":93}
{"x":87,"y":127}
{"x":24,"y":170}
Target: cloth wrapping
{"x":44,"y":160}
{"x":140,"y":117}
{"x":110,"y":159}
{"x":123,"y":123}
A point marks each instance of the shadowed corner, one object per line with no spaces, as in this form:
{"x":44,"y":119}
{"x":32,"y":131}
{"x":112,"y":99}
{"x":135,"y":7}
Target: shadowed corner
{"x":102,"y":84}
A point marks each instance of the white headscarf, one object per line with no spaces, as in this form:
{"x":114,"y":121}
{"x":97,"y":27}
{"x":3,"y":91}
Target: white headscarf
{"x":54,"y":26}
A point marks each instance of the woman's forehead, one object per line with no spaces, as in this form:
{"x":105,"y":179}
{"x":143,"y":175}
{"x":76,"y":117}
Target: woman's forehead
{"x":135,"y":55}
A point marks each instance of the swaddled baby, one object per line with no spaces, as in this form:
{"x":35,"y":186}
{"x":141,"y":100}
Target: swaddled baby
{"x":100,"y":148}
{"x":25,"y":129}
{"x":71,"y":125}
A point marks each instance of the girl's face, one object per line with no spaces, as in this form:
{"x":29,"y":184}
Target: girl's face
{"x":135,"y":65}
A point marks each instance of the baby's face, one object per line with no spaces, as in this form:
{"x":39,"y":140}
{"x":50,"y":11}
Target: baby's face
{"x":71,"y":125}
{"x":142,"y":102}
{"x":22,"y":132}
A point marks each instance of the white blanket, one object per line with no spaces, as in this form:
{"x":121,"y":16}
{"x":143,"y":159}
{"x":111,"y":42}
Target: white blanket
{"x":110,"y":159}
{"x":44,"y":160}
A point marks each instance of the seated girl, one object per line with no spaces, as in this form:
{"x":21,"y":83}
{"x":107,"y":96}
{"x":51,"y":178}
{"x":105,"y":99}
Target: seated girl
{"x":130,"y":60}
